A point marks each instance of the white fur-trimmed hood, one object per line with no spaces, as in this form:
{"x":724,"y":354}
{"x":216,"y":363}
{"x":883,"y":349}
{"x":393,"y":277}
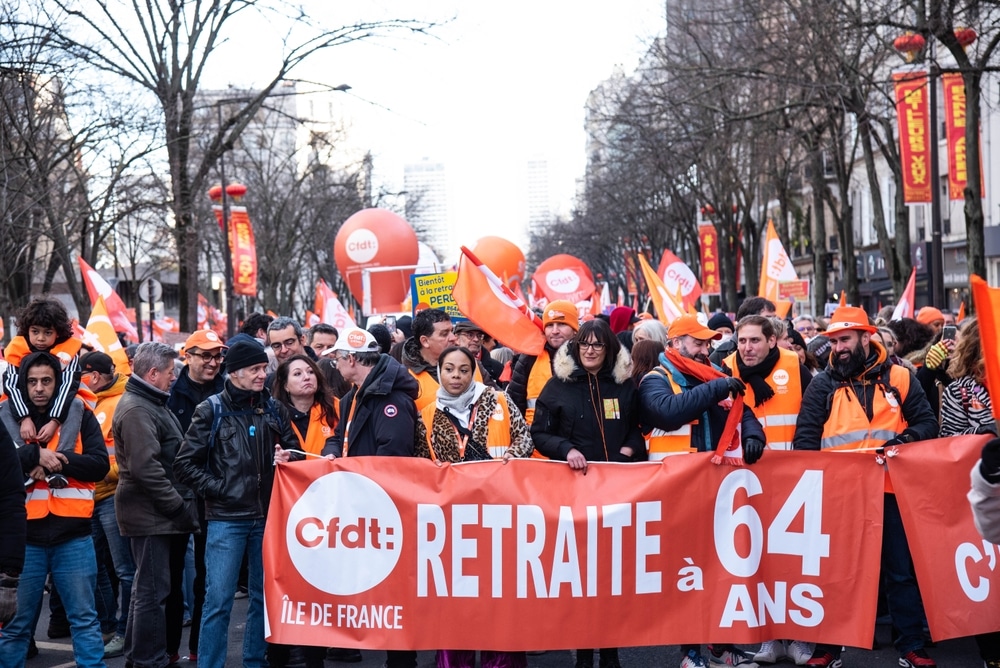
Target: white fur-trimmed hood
{"x":564,"y":366}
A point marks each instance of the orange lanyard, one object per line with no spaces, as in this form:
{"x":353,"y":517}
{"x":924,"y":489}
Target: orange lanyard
{"x":350,"y":419}
{"x":462,"y":440}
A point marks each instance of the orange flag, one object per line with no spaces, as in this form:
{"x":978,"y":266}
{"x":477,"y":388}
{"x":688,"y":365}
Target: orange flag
{"x":100,"y":334}
{"x":958,"y":318}
{"x":775,"y":267}
{"x":115,"y":307}
{"x":483,"y":298}
{"x":668,"y":306}
{"x":987,"y":301}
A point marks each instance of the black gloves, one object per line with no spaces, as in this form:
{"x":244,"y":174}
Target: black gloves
{"x":753,"y":448}
{"x":736,"y":387}
{"x":902,"y":439}
{"x":8,"y":597}
{"x":990,"y":466}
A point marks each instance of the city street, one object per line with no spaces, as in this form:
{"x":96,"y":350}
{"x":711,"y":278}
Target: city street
{"x":960,"y":653}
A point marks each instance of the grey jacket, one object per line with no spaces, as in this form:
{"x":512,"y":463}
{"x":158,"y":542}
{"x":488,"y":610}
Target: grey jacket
{"x":985,"y":500}
{"x":149,"y":501}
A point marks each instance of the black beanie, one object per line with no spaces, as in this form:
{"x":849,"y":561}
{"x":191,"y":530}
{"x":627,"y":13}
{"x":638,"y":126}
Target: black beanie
{"x":243,"y":354}
{"x":720,"y":320}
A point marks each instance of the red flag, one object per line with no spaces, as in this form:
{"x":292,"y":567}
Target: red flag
{"x":678,"y":277}
{"x":98,"y":287}
{"x":329,"y":309}
{"x":484,"y":299}
{"x":668,"y":305}
{"x":904,"y":309}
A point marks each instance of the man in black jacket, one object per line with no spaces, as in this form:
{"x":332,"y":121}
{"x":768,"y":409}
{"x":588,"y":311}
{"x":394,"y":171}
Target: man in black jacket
{"x":200,"y":378}
{"x":864,"y":402}
{"x":156,"y":512}
{"x":60,"y":503}
{"x":377,"y":416}
{"x":749,"y":306}
{"x":227,"y":459}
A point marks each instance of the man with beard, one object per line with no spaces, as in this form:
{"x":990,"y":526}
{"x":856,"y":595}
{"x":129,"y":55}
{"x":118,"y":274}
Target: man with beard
{"x":686,"y":402}
{"x":864,"y":402}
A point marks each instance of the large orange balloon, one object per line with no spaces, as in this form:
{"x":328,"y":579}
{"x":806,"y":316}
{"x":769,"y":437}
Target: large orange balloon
{"x":377,"y":238}
{"x":563,"y":277}
{"x":503,"y":258}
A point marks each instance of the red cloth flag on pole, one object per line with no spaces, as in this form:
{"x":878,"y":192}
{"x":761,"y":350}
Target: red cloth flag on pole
{"x":98,"y":287}
{"x":329,"y":309}
{"x":483,"y":298}
{"x":904,"y":309}
{"x":677,"y":276}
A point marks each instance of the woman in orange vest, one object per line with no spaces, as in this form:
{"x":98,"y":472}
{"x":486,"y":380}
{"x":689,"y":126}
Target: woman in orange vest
{"x":302,"y":387}
{"x":469,"y":421}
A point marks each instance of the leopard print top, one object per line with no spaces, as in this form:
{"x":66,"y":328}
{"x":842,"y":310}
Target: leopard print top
{"x":445,"y":438}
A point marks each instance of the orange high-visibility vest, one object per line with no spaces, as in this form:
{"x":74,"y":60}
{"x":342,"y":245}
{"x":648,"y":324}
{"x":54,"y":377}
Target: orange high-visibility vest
{"x":778,"y":414}
{"x":18,"y":349}
{"x":429,"y":387}
{"x":497,"y":431}
{"x":848,"y":427}
{"x":104,"y":412}
{"x":76,"y":500}
{"x":318,"y":431}
{"x":541,"y":372}
{"x":662,"y":444}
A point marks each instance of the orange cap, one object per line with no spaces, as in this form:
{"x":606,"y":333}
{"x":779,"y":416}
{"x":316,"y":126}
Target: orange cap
{"x":562,"y":311}
{"x":204,"y":339}
{"x":849,"y":317}
{"x":929,"y":314}
{"x":689,"y":325}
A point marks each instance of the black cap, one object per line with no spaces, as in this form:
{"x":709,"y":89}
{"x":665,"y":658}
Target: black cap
{"x":97,"y":361}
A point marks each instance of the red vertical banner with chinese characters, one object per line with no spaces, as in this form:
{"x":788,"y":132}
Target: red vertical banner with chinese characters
{"x":243,"y":250}
{"x":914,"y":134}
{"x":709,"y":243}
{"x":954,"y":120}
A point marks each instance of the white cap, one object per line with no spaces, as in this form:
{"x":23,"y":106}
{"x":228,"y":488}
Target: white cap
{"x":355,"y":340}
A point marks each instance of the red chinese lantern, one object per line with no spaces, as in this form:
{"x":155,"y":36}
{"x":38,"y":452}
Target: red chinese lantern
{"x":215,"y":193}
{"x":965,"y":36}
{"x":708,"y":210}
{"x":910,"y":44}
{"x":236,"y":190}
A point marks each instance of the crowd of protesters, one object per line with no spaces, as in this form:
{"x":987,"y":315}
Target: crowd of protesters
{"x":137,"y":494}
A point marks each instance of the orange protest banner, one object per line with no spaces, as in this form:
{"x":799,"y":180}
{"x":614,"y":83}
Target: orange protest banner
{"x":375,"y":551}
{"x":953,"y":88}
{"x":243,"y":250}
{"x":914,"y":133}
{"x":959,"y":583}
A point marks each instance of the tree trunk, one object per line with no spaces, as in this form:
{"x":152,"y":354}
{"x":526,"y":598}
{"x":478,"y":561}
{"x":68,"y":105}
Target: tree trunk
{"x":818,"y":244}
{"x":973,"y":191}
{"x":884,"y":242}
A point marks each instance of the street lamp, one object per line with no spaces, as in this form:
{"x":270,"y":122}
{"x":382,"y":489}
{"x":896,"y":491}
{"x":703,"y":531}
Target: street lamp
{"x":227,"y":253}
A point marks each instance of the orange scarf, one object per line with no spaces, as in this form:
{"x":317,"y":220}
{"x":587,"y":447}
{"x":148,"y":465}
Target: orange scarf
{"x":729,"y":450}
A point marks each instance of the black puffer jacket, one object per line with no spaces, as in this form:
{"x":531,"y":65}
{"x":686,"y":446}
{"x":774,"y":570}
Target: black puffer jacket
{"x":185,"y":395}
{"x":384,"y":420}
{"x":235,"y":473}
{"x":566,"y":416}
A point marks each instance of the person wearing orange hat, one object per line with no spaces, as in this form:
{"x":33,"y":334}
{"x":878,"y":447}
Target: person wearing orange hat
{"x":686,"y":402}
{"x":932,"y":317}
{"x":561,"y":321}
{"x":863,"y":402}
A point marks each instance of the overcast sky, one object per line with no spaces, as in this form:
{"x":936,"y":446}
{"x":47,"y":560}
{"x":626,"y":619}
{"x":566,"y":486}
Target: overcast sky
{"x":496,"y":85}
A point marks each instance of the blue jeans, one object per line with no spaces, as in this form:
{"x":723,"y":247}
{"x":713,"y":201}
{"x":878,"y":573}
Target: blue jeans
{"x":105,"y":529}
{"x":227,"y":542}
{"x":74,"y":572}
{"x":901,"y":592}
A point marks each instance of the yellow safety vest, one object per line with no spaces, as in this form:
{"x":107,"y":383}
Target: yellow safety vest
{"x":497,"y":431}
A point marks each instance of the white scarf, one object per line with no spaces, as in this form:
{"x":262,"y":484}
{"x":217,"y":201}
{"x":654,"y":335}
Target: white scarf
{"x":460,"y":406}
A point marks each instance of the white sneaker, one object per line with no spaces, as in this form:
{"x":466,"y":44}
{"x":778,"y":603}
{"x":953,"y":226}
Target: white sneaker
{"x":771,"y":651}
{"x":693,"y":660}
{"x":800,"y":651}
{"x":731,"y":657}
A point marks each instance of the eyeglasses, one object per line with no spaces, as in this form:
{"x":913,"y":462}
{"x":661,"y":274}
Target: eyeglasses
{"x":593,"y":345}
{"x":208,"y":357}
{"x":340,"y":358}
{"x":473,"y":336}
{"x":283,"y":344}
{"x":805,"y":329}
